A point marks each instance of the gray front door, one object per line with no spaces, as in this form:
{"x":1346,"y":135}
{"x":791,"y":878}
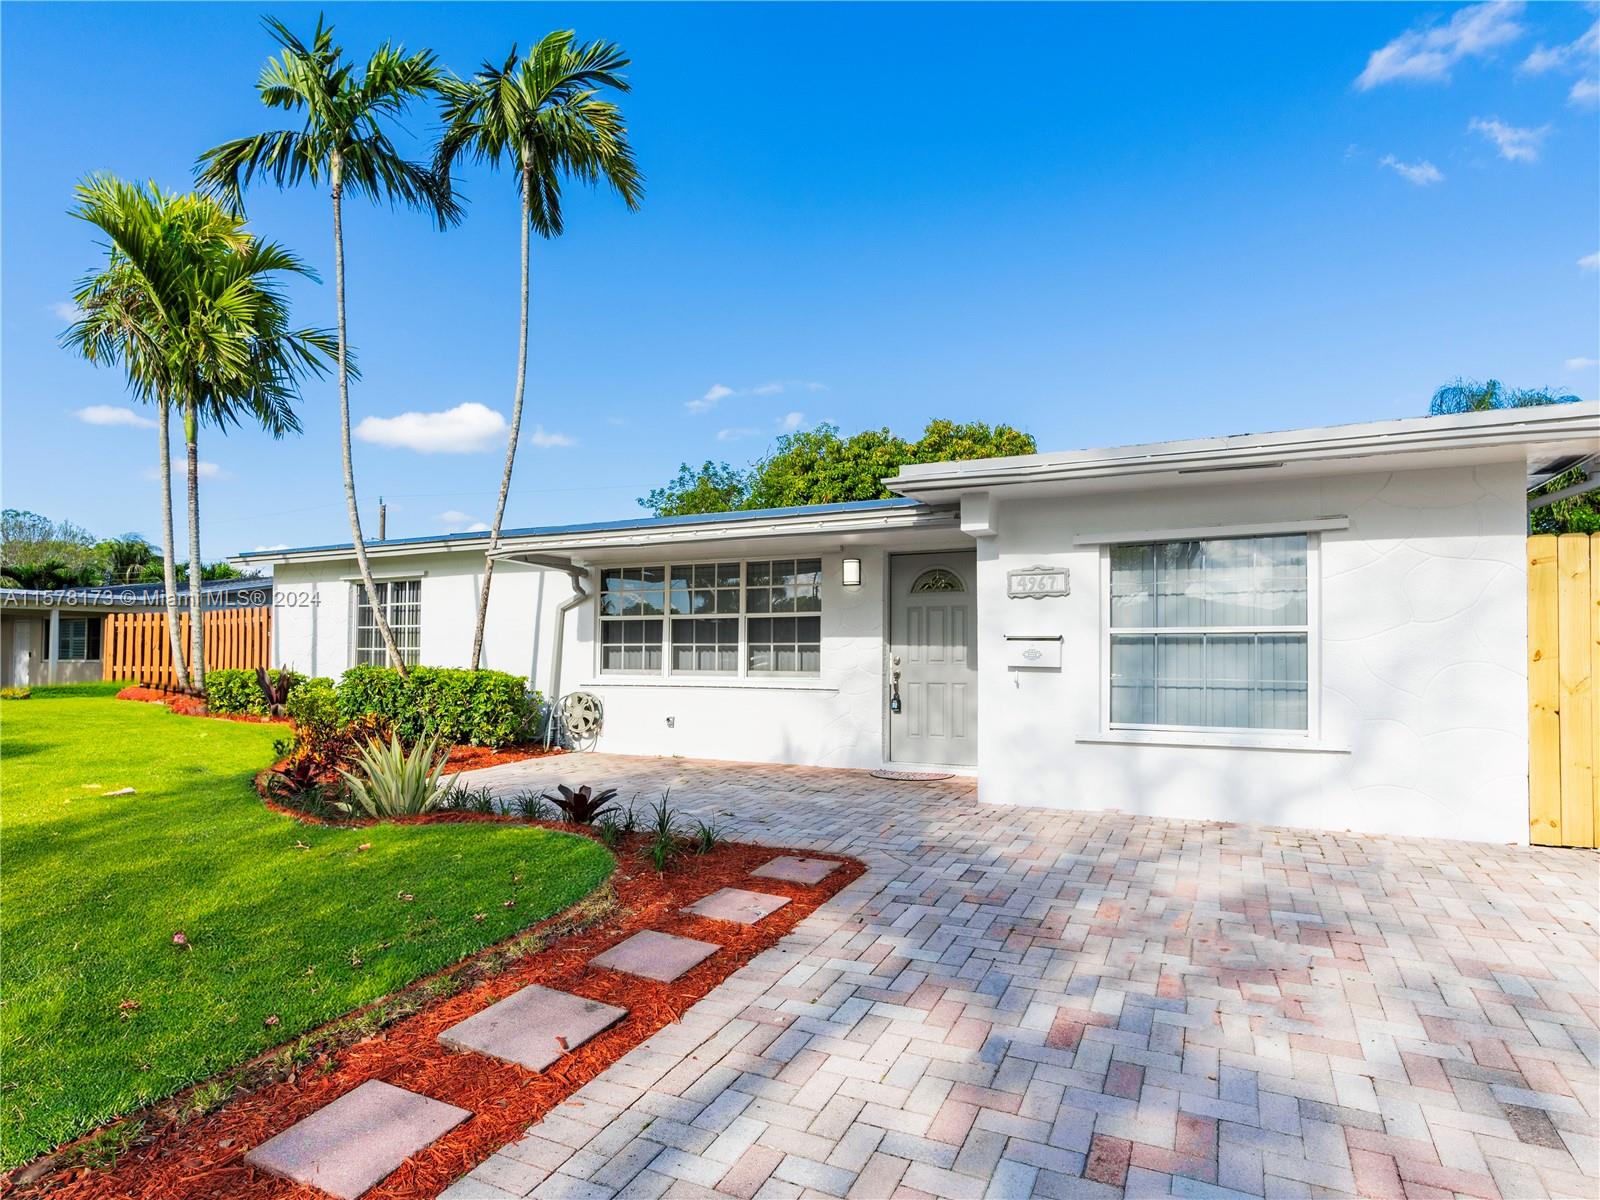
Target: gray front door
{"x":931,"y":647}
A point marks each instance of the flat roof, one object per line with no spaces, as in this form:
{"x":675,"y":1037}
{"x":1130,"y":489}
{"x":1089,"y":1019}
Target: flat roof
{"x":1552,"y":438}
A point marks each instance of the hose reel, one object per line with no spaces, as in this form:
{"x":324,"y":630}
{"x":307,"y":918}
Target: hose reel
{"x":582,"y":715}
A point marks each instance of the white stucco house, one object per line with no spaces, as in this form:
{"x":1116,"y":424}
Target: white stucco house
{"x":1324,"y":627}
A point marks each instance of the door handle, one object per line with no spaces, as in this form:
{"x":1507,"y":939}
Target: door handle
{"x":894,"y":685}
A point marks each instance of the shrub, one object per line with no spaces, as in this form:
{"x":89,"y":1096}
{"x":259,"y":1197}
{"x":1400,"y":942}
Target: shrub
{"x":314,"y":704}
{"x":239,"y":691}
{"x":394,"y":782}
{"x":480,"y":708}
{"x":15,"y":693}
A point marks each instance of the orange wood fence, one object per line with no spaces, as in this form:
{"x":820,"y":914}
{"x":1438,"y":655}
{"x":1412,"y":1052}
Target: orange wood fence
{"x":1563,"y":674}
{"x":135,"y":645}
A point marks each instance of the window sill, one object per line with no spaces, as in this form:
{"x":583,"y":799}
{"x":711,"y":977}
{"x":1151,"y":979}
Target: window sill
{"x":1216,"y":741}
{"x":801,"y":683}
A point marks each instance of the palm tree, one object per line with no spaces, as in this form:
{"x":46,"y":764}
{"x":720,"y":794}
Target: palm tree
{"x":1468,"y":395}
{"x":191,"y":303}
{"x":544,"y":115}
{"x":341,"y":140}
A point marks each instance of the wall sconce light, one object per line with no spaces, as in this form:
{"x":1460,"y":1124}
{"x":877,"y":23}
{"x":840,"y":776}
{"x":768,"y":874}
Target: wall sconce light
{"x":850,"y":574}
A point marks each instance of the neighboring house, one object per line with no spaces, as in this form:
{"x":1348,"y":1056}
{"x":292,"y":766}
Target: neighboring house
{"x":59,"y":636}
{"x":1324,"y":627}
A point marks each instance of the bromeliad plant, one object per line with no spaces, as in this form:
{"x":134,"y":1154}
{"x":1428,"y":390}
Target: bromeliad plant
{"x":583,"y":805}
{"x":394,"y":783}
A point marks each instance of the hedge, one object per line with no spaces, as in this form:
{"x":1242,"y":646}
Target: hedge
{"x":481,"y":708}
{"x":239,"y":691}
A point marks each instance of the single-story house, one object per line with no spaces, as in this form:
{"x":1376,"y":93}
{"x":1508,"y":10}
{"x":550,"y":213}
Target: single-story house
{"x":1323,"y":627}
{"x":57,"y":635}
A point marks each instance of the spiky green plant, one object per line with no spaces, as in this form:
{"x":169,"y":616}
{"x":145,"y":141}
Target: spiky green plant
{"x":389,"y":782}
{"x":663,"y":846}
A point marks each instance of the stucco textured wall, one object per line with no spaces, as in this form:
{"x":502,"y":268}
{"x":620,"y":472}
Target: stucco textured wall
{"x":1422,"y":638}
{"x":834,"y":720}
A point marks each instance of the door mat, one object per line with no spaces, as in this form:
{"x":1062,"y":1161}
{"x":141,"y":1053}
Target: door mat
{"x":912,"y":776}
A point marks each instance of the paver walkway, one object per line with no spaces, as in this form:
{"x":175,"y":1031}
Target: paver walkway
{"x":1017,"y":1002}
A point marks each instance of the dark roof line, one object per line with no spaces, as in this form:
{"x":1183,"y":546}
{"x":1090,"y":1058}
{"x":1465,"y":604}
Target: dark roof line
{"x":752,"y":514}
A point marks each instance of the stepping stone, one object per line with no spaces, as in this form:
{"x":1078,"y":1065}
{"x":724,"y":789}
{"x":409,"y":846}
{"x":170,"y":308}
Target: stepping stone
{"x":659,"y":956}
{"x":792,"y":869}
{"x":737,"y":905}
{"x":533,"y":1027}
{"x":350,"y":1145}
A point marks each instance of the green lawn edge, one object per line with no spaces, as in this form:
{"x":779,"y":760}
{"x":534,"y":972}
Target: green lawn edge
{"x":281,"y":918}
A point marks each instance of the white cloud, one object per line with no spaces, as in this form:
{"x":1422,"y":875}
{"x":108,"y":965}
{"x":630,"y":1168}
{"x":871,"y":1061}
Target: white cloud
{"x":1590,"y":262}
{"x":1427,"y":54}
{"x":789,"y":422}
{"x":717,"y":393}
{"x":1581,"y":364}
{"x":1421,"y":173}
{"x":1515,"y":143}
{"x":1573,"y":56}
{"x":203,"y":470}
{"x":66,"y":310}
{"x":464,"y":429}
{"x":1584,"y":93}
{"x":457,"y":521}
{"x":113,"y":414}
{"x":544,"y":439}
{"x":733,"y":435}
{"x":269,"y":549}
{"x":776,"y":387}
{"x":616,"y":422}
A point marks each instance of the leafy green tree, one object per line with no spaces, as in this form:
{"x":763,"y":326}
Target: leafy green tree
{"x":342,"y":140}
{"x":124,"y":559}
{"x":37,"y":552}
{"x":715,"y":487}
{"x":1576,"y":514}
{"x":189,"y":301}
{"x":542,"y":114}
{"x":818,"y":466}
{"x":953,"y":441}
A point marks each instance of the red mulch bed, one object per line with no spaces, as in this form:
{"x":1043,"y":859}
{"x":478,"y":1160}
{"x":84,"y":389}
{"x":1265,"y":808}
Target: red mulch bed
{"x":462,"y":758}
{"x":204,"y":1158}
{"x":470,"y":758}
{"x":186,"y":705}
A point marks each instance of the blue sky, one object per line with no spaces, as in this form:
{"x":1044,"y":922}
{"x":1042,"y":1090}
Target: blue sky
{"x":1102,"y":224}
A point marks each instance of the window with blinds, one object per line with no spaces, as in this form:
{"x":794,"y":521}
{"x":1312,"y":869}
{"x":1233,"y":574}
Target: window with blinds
{"x":1210,"y":634}
{"x":401,"y":601}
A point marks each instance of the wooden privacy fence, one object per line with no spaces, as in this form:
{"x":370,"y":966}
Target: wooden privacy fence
{"x":135,"y":645}
{"x":1563,"y":666}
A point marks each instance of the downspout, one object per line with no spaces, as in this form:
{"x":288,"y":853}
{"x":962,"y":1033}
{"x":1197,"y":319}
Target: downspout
{"x":576,"y":576}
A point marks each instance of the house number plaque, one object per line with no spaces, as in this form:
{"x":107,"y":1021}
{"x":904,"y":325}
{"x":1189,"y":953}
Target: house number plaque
{"x":1035,"y":583}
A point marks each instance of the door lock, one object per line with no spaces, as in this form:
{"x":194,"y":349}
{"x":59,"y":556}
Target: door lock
{"x":894,"y":685}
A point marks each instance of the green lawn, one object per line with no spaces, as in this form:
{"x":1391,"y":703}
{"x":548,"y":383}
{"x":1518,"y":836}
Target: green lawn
{"x":282,"y":919}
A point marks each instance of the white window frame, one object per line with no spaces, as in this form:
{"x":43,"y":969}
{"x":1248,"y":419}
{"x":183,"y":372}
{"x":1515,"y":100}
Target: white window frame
{"x":742,"y":616}
{"x":356,"y":591}
{"x":1311,"y":629}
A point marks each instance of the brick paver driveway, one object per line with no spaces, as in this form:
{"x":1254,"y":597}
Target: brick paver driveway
{"x":1017,"y":1002}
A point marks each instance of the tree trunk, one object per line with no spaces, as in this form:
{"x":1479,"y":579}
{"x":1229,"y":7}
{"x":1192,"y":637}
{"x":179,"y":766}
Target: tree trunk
{"x":169,"y":566}
{"x":379,"y":614}
{"x":197,"y":634}
{"x":516,"y":424}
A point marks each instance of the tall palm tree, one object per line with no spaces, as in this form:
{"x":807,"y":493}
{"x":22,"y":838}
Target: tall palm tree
{"x":543,"y":114}
{"x":191,"y":303}
{"x":341,"y":140}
